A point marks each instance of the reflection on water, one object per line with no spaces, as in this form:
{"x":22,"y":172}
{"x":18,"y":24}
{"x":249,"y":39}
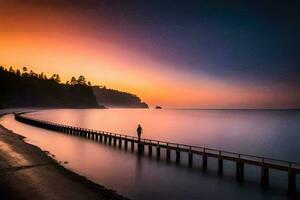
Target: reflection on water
{"x":267,"y":133}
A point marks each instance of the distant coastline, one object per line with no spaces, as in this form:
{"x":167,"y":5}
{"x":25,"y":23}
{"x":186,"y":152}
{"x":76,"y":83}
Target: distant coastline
{"x":111,"y":98}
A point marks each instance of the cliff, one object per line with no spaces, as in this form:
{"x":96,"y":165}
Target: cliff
{"x":118,"y":99}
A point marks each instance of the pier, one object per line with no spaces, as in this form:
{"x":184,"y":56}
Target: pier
{"x":175,"y":150}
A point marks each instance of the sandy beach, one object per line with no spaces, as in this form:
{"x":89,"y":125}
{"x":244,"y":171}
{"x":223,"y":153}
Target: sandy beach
{"x":29,"y":173}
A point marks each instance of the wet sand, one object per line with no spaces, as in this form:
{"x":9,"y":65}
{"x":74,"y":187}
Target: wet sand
{"x":26,"y":172}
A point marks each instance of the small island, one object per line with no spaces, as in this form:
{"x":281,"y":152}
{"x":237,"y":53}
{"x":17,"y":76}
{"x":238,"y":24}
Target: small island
{"x":158,"y":107}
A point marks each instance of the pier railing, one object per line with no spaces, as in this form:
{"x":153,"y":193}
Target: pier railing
{"x":241,"y":159}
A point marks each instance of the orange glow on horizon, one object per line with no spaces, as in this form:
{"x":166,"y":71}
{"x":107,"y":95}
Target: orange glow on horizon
{"x":60,"y":42}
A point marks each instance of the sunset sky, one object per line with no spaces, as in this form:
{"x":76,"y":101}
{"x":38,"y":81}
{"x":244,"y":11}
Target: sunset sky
{"x":169,"y":53}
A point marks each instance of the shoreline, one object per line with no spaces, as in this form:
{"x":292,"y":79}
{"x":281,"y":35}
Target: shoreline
{"x":28,"y":172}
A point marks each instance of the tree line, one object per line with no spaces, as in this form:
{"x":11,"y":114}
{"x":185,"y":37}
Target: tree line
{"x":81,"y":80}
{"x":28,"y":89}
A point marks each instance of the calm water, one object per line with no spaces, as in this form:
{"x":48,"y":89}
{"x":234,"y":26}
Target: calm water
{"x":266,"y":133}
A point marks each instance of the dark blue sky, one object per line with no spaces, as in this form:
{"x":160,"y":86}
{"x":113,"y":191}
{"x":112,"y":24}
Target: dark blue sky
{"x":236,"y":40}
{"x":247,"y":51}
{"x":256,"y":41}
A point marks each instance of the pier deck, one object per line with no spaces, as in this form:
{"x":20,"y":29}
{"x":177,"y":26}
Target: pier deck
{"x":292,"y":168}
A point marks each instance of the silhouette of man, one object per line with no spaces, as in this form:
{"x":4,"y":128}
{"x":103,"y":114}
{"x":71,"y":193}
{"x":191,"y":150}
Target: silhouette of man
{"x":139,"y":131}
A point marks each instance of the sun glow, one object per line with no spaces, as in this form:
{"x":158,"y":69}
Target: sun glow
{"x":60,"y":41}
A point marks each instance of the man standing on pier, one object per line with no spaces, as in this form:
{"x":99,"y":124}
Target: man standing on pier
{"x":139,"y":131}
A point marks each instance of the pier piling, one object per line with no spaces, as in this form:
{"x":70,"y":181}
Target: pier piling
{"x":149,"y":150}
{"x":158,"y":152}
{"x":125,"y":144}
{"x":239,"y":171}
{"x":132,"y":145}
{"x":190,"y":159}
{"x":140,"y":148}
{"x":220,"y":166}
{"x":264,"y":177}
{"x":168,"y":152}
{"x":115,"y":141}
{"x":177,"y":156}
{"x":109,"y":140}
{"x":291,"y":181}
{"x":120,"y":142}
{"x":204,"y":161}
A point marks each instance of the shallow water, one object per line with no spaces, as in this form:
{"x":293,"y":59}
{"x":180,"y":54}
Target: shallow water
{"x":265,"y":133}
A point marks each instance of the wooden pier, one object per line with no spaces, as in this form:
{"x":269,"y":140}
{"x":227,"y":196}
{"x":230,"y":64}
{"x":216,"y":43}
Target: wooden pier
{"x":125,"y":141}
